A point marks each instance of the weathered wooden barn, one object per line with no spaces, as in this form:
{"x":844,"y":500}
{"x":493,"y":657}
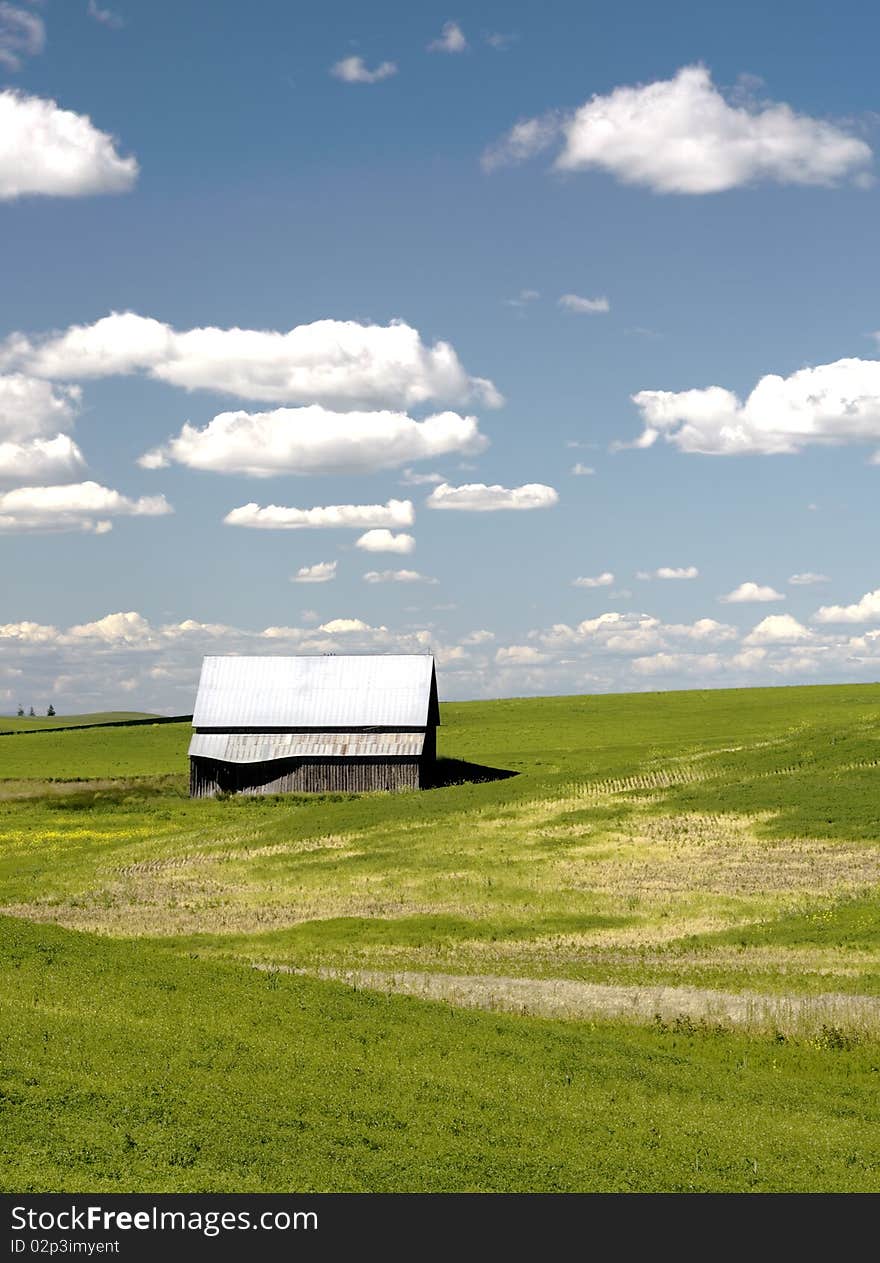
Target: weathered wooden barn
{"x":315,"y":724}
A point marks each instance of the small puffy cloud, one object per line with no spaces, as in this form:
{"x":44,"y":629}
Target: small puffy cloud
{"x":29,"y":633}
{"x":30,"y":408}
{"x":827,"y":405}
{"x":22,"y":34}
{"x":129,"y":628}
{"x":519,"y":655}
{"x":105,"y":16}
{"x":355,"y":70}
{"x":339,"y":364}
{"x":450,"y":40}
{"x":669,"y":572}
{"x":40,"y":458}
{"x":584,"y":306}
{"x":866,"y":610}
{"x":358,"y":517}
{"x":603,"y":580}
{"x":675,"y":663}
{"x":313,"y":440}
{"x":807,"y":578}
{"x":682,"y":135}
{"x":528,"y":137}
{"x":750,"y":592}
{"x":385,"y":541}
{"x":343,"y":626}
{"x":581,"y":471}
{"x":320,"y":572}
{"x":477,"y":497}
{"x":777,"y":629}
{"x":397,"y":576}
{"x":410,"y":478}
{"x":81,"y":506}
{"x":701,"y":629}
{"x":53,"y":152}
{"x":478,"y":637}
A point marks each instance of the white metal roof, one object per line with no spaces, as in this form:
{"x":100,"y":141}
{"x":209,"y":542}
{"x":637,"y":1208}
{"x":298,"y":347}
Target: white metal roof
{"x":358,"y":691}
{"x":263,"y":747}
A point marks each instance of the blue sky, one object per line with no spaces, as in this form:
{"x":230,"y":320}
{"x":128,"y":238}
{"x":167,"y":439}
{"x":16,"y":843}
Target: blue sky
{"x":562,"y":205}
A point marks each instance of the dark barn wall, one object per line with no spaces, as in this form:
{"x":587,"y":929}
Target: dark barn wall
{"x":288,"y":776}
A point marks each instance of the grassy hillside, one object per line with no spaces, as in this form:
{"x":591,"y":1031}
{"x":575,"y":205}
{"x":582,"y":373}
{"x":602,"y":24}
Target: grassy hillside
{"x":39,"y":722}
{"x":711,"y":858}
{"x":96,"y":754}
{"x":128,"y":1067}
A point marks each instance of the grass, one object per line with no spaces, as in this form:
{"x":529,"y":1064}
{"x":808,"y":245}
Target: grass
{"x":39,"y":722}
{"x":711,"y":857}
{"x":128,"y":1067}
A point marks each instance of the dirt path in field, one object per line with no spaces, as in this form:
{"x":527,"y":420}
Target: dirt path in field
{"x":563,"y":998}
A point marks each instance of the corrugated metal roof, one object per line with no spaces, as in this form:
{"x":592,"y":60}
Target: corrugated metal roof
{"x":263,"y":747}
{"x":367,"y":690}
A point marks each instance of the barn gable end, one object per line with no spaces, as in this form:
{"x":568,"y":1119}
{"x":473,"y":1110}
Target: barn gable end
{"x":314,"y":724}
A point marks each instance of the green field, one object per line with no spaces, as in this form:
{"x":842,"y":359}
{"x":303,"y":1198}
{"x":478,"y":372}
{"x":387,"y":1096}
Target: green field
{"x":40,"y":722}
{"x":648,"y":960}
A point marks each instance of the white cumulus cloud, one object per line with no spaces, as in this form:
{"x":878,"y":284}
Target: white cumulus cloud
{"x":320,"y":572}
{"x":30,"y":408}
{"x":313,"y":440}
{"x":829,"y":404}
{"x":355,"y":70}
{"x":584,"y":306}
{"x":397,"y":576}
{"x":682,"y":135}
{"x":808,"y":577}
{"x":750,"y":592}
{"x":47,"y":150}
{"x":519,"y":655}
{"x":40,"y":458}
{"x":777,"y":629}
{"x":603,"y":580}
{"x":477,"y":497}
{"x":866,"y":610}
{"x":385,"y":541}
{"x":81,"y":506}
{"x":359,"y":517}
{"x":339,"y":364}
{"x":450,"y":40}
{"x":669,"y":572}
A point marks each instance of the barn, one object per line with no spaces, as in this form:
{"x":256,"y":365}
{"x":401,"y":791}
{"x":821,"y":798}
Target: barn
{"x":314,"y":724}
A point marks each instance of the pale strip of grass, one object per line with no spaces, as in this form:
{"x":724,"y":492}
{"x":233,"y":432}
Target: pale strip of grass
{"x":856,"y":1016}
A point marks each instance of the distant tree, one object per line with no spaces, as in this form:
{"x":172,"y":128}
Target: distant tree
{"x":20,"y":711}
{"x":51,"y":711}
{"x":32,"y":714}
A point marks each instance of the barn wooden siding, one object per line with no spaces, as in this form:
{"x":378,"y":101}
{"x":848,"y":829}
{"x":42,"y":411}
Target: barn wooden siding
{"x":209,"y":777}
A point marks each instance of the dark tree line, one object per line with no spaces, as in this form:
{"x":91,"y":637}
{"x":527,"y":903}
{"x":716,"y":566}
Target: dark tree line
{"x":32,"y":714}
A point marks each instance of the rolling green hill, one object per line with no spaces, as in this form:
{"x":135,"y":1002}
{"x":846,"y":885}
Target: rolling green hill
{"x":685,"y":883}
{"x":41,"y":722}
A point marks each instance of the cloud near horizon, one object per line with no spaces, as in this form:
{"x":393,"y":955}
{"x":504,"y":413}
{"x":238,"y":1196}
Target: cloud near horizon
{"x":750,"y":592}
